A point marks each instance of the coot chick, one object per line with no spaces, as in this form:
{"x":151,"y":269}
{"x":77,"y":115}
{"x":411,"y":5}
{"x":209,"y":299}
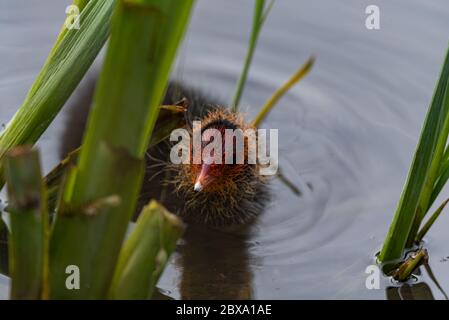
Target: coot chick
{"x":203,"y":193}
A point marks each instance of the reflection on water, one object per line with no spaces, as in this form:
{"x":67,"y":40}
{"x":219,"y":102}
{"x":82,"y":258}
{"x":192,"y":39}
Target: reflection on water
{"x":215,"y":264}
{"x":418,"y":291}
{"x":415,"y":288}
{"x":348,"y":130}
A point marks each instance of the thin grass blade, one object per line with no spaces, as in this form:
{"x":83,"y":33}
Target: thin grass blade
{"x":431,"y":221}
{"x":259,"y":17}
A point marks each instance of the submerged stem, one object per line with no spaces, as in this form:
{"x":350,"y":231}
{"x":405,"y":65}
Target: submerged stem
{"x":408,"y":266}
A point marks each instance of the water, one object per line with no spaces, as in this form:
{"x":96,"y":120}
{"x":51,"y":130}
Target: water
{"x":347,"y":132}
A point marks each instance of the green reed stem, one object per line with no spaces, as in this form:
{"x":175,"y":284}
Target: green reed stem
{"x":4,"y":235}
{"x":144,"y":39}
{"x":430,"y":222}
{"x":260,"y":15}
{"x":279,"y":93}
{"x":415,"y":198}
{"x":440,"y":183}
{"x":28,"y":239}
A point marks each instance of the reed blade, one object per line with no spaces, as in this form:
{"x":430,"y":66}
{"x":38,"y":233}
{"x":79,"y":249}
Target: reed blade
{"x":431,"y":221}
{"x":423,"y":172}
{"x":71,"y":56}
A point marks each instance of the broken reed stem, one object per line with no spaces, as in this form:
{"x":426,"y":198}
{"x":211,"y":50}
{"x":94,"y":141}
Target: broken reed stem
{"x":279,"y":93}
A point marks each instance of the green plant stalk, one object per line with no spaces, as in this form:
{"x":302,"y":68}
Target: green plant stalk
{"x":89,"y":235}
{"x":28,"y":251}
{"x":420,"y":181}
{"x":73,"y":53}
{"x":145,"y":253}
{"x":279,"y":93}
{"x":426,"y":198}
{"x":81,"y":4}
{"x":445,"y":160}
{"x":144,"y":39}
{"x":258,"y":20}
{"x":443,"y":176}
{"x":4,"y":235}
{"x":430,"y":222}
{"x":272,"y":101}
{"x":440,"y":183}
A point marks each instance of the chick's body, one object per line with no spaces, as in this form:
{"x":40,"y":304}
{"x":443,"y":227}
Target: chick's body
{"x":237,"y":194}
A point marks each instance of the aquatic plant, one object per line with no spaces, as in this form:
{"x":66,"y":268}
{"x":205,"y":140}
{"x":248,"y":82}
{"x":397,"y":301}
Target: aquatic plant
{"x":97,"y":197}
{"x":261,"y":12}
{"x":279,"y":93}
{"x":428,"y":174}
{"x":72,"y":54}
